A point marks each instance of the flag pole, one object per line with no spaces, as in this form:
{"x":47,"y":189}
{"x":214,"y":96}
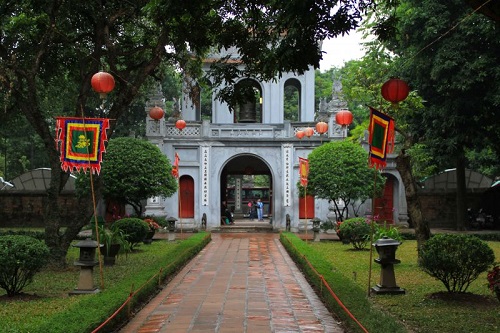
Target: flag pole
{"x":180,"y":203}
{"x":372,"y":226}
{"x":94,"y":206}
{"x":305,"y":210}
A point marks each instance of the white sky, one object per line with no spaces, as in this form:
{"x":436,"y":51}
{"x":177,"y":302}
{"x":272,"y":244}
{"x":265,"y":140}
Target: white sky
{"x":340,"y":50}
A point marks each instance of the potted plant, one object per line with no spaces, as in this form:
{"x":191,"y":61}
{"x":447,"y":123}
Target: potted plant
{"x":153,"y":226}
{"x":114,"y":242}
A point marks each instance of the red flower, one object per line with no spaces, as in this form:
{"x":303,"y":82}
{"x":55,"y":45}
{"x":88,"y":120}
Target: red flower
{"x":494,"y":278}
{"x":152,"y":224}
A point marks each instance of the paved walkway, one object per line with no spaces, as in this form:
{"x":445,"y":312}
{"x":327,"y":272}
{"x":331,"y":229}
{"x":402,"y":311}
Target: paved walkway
{"x":242,"y":282}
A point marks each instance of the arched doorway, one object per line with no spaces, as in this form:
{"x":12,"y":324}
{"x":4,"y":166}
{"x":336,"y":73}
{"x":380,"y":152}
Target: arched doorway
{"x":246,"y":178}
{"x":384,"y":205}
{"x":186,"y":197}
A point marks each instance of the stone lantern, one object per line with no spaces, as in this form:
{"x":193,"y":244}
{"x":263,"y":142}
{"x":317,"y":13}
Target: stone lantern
{"x":86,"y":261}
{"x":316,"y":222}
{"x":171,"y":228}
{"x":386,"y":249}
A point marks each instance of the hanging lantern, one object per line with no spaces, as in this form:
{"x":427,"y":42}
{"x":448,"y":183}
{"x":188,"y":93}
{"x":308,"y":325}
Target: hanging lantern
{"x":102,"y":83}
{"x":180,"y":124}
{"x":300,"y":134}
{"x":343,"y":118}
{"x":321,"y":127}
{"x":309,"y":132}
{"x":156,"y":113}
{"x":395,"y":90}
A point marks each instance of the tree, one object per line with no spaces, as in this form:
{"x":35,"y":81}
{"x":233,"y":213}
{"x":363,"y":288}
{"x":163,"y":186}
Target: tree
{"x":362,"y":83}
{"x":452,"y":60}
{"x":49,"y":52}
{"x":338,"y":170}
{"x":134,"y":170}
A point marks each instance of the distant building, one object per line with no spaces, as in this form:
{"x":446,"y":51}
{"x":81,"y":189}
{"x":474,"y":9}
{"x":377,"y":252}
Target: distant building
{"x":255,"y":139}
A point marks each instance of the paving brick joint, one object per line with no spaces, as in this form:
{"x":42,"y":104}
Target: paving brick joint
{"x":240,"y":282}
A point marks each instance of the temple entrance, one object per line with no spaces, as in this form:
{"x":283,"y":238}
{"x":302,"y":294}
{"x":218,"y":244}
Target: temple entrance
{"x":245,"y":182}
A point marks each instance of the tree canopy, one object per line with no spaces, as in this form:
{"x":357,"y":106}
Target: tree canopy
{"x":134,"y":170}
{"x":450,"y":55}
{"x":339,"y":170}
{"x":50,"y":50}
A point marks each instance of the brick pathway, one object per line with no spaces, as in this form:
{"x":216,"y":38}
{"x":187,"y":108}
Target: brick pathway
{"x":239,"y":283}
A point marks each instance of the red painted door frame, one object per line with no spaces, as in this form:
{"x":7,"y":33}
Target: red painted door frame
{"x":384,"y":206}
{"x":186,"y":197}
{"x":306,"y":203}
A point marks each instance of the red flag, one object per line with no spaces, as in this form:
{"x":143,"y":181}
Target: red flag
{"x":175,"y":169}
{"x":303,"y":170}
{"x":381,"y":139}
{"x":81,"y":142}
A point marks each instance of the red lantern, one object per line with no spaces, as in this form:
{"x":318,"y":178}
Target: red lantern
{"x":180,"y":124}
{"x":309,"y":132}
{"x":343,"y":118}
{"x":102,"y":83}
{"x":321,"y":127}
{"x":395,"y":90}
{"x":156,"y":113}
{"x":300,"y":134}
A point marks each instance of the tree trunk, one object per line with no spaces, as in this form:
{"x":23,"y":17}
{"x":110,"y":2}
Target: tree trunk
{"x":422,"y":231}
{"x":461,"y":191}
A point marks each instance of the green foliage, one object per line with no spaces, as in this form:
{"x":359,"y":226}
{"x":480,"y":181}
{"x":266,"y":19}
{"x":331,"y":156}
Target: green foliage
{"x":384,"y":230}
{"x":424,"y":308}
{"x":454,"y":76}
{"x":134,"y":170}
{"x":20,"y":258}
{"x":113,"y":236}
{"x":40,"y":235}
{"x":339,"y":170}
{"x":291,"y":103}
{"x":349,"y":292}
{"x":49,"y":312}
{"x":134,"y":229}
{"x":356,"y":231}
{"x":455,"y":260}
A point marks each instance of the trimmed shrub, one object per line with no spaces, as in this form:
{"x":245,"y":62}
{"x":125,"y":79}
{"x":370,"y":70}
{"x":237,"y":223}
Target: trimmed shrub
{"x":357,"y":231}
{"x":456,"y":260}
{"x":133,"y":228}
{"x":20,"y":258}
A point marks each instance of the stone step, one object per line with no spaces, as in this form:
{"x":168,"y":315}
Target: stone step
{"x":247,"y":225}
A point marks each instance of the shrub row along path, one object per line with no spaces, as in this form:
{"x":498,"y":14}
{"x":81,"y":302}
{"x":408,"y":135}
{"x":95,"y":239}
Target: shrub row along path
{"x":240,"y":282}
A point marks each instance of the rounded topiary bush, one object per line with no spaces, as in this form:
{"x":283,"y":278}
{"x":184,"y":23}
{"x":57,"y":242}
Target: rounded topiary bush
{"x":455,"y":260}
{"x":133,"y":228}
{"x":356,"y":231}
{"x":20,"y":258}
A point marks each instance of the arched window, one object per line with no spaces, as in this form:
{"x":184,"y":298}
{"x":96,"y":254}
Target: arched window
{"x":291,"y":100}
{"x":249,"y":105}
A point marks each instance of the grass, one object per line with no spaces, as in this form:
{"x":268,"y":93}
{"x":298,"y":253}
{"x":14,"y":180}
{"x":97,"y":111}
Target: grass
{"x":425,"y":307}
{"x":46,"y":305}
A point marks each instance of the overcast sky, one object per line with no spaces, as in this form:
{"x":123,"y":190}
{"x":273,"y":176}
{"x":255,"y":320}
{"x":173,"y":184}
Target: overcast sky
{"x":340,"y":50}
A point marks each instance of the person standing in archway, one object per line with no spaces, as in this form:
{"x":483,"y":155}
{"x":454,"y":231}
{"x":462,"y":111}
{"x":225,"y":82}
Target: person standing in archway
{"x":260,"y":209}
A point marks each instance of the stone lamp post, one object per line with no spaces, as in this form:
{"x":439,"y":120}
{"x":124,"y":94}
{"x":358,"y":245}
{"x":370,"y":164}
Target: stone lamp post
{"x":316,"y":222}
{"x":86,"y":262}
{"x":386,"y":249}
{"x":171,"y":228}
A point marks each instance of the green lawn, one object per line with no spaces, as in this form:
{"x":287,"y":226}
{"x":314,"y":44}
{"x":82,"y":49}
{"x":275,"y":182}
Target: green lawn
{"x":423,"y":308}
{"x":47,"y":306}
